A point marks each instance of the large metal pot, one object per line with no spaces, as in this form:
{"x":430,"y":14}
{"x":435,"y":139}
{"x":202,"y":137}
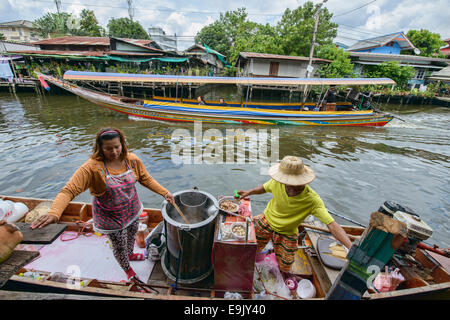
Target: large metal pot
{"x":187,"y":258}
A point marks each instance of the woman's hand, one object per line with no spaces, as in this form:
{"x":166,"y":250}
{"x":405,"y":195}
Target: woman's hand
{"x":169,"y":197}
{"x":43,"y":221}
{"x":243,"y":194}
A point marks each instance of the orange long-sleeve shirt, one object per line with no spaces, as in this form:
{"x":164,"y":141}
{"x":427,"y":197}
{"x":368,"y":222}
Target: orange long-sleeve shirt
{"x":92,"y":175}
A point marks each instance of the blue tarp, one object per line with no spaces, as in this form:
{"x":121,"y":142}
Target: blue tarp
{"x":5,"y":71}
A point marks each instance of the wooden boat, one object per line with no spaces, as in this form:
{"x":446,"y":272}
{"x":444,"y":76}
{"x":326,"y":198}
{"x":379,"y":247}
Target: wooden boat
{"x":243,"y":114}
{"x":436,"y":285}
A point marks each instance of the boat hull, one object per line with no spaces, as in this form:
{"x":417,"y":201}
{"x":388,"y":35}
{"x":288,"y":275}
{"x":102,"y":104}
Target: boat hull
{"x":178,"y":112}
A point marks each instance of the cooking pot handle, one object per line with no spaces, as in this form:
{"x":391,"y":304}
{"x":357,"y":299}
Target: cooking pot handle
{"x":187,"y":229}
{"x":195,"y":188}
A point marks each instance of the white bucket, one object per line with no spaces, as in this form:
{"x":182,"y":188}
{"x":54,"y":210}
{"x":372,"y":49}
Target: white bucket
{"x":6,"y":209}
{"x":306,"y":289}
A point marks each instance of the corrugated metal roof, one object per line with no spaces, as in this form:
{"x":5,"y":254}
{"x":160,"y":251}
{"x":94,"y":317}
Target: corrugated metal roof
{"x":61,"y":52}
{"x":12,"y":46}
{"x":376,"y":42}
{"x":85,"y":53}
{"x":18,"y":23}
{"x":91,"y":41}
{"x":248,"y":55}
{"x":397,"y":57}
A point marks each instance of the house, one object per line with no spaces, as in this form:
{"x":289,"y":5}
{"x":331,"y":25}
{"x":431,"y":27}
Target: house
{"x":393,"y":43}
{"x":252,"y":64}
{"x":424,"y":66}
{"x":341,"y":45}
{"x":442,"y":75}
{"x":446,"y":49}
{"x":207,"y":55}
{"x":166,"y":42}
{"x":19,"y":31}
{"x":392,"y":47}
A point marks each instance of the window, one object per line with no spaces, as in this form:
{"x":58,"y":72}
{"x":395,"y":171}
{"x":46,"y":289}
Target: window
{"x":420,"y":74}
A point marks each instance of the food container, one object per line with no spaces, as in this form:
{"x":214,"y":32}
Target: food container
{"x":238,"y":230}
{"x":229,"y":200}
{"x":305,"y":289}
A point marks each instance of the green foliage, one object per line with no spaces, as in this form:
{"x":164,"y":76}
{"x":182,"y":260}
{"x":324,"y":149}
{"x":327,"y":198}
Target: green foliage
{"x":296,"y":27}
{"x":391,"y":69}
{"x":89,"y":24}
{"x":2,"y":36}
{"x":52,"y":24}
{"x":222,"y":34}
{"x":233,"y":33}
{"x":340,"y":66}
{"x":427,"y":42}
{"x":62,"y":24}
{"x":126,"y":28}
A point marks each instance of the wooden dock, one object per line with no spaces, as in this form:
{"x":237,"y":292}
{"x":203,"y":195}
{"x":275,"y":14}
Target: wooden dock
{"x":19,"y":85}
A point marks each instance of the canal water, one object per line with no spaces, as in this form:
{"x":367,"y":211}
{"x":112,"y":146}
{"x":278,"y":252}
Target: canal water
{"x":44,"y":139}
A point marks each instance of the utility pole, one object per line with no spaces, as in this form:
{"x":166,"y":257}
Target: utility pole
{"x":58,"y":6}
{"x":130,"y":9}
{"x":313,"y":43}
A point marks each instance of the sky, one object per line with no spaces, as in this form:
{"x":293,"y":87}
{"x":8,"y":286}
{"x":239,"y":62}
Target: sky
{"x":357,"y":19}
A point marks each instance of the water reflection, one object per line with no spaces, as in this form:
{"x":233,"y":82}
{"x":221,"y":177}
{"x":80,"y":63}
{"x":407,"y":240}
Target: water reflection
{"x":43,"y":139}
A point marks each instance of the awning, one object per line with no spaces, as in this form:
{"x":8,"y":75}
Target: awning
{"x":5,"y":71}
{"x":401,"y":64}
{"x":125,"y":77}
{"x":10,"y":58}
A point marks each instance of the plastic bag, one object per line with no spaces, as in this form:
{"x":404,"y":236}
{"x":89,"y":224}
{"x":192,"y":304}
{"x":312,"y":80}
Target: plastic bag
{"x":388,"y":281}
{"x":232,"y":295}
{"x":271,"y":277}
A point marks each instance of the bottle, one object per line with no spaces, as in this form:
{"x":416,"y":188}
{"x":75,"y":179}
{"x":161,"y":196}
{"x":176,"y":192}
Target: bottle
{"x":141,"y":235}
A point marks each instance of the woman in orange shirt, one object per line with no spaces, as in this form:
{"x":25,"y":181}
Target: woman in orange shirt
{"x":111,"y":174}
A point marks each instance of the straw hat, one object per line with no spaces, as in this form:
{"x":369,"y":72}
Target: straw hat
{"x":292,"y":171}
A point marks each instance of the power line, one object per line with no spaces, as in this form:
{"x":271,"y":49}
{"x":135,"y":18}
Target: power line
{"x":160,"y":9}
{"x":350,"y":11}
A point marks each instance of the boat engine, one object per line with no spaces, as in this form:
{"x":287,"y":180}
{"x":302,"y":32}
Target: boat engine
{"x":417,"y":229}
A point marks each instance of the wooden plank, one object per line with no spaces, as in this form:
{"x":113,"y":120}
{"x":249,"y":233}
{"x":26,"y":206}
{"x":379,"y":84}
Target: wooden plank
{"x":313,"y":236}
{"x":16,"y":260}
{"x":45,"y":235}
{"x":19,"y":295}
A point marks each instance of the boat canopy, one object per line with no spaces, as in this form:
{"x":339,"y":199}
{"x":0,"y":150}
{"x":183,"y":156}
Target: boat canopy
{"x":128,"y":77}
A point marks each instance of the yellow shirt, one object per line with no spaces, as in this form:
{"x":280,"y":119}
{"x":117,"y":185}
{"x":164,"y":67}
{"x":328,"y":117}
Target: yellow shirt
{"x":285,"y":213}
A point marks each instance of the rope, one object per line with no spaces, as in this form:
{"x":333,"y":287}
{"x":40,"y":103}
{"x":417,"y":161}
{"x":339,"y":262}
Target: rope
{"x":84,"y":225}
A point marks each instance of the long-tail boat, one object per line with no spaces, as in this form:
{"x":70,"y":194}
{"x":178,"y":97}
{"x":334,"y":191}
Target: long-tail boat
{"x":435,"y":284}
{"x":242,"y":113}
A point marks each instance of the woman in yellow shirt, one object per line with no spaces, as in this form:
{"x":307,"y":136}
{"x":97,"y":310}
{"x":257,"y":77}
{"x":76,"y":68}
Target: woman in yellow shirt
{"x":293,"y":200}
{"x":111,"y":174}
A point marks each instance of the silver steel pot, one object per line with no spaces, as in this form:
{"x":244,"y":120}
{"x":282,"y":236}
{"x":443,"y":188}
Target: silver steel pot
{"x":189,"y":246}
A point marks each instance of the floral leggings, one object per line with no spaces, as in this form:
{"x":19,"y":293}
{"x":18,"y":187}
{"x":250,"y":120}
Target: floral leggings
{"x":123,"y":244}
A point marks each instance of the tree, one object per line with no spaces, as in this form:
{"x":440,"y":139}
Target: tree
{"x":126,"y":28}
{"x":222,"y":34}
{"x":89,"y":24}
{"x":427,"y":42}
{"x":2,"y":36}
{"x":391,"y":69}
{"x":52,"y":24}
{"x":340,"y":66}
{"x":263,"y":39}
{"x":296,"y":27}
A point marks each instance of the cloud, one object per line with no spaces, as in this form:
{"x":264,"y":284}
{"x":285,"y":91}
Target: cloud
{"x":187,"y":18}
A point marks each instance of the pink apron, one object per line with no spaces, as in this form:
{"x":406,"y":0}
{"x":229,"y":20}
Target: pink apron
{"x":119,"y":206}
